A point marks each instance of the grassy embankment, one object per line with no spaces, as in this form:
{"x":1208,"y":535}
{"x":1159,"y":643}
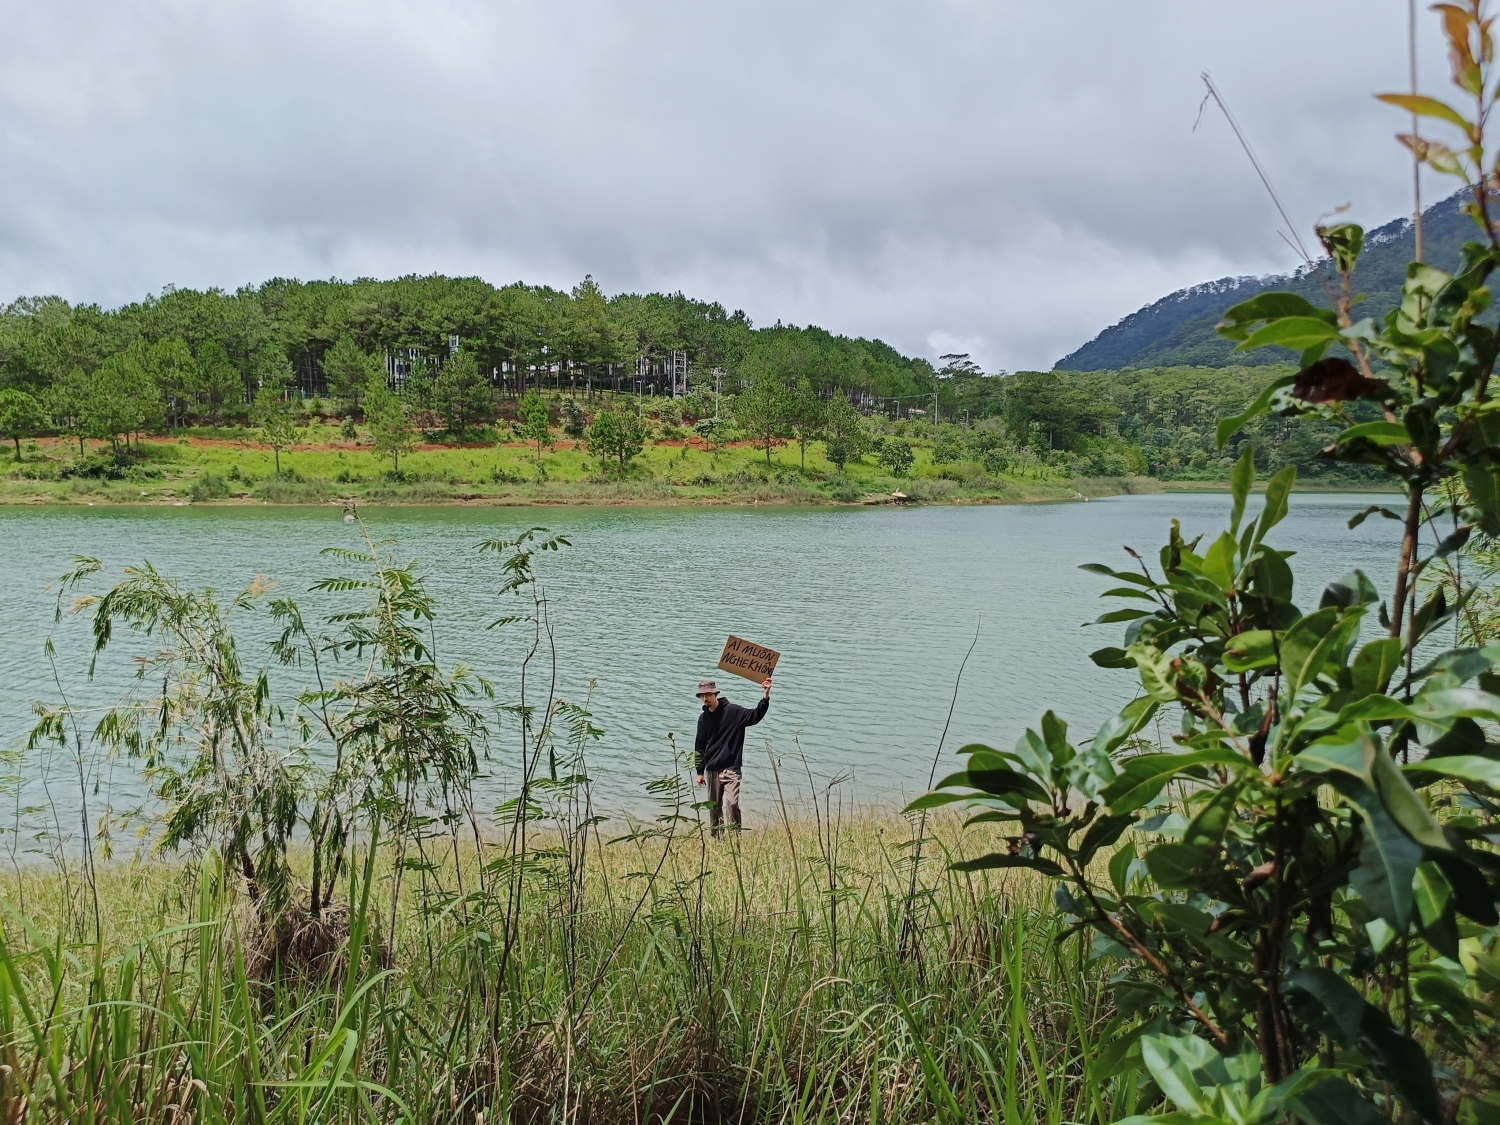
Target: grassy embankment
{"x":227,"y":466}
{"x":787,"y":975}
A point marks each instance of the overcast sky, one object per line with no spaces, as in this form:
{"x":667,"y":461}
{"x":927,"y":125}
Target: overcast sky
{"x":1004,"y":177}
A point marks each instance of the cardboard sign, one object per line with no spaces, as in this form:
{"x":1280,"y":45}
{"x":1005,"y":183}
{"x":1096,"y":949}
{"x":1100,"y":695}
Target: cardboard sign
{"x":744,"y":658}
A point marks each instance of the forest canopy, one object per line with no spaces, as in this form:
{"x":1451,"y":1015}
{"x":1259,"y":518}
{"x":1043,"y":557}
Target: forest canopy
{"x":215,"y":348}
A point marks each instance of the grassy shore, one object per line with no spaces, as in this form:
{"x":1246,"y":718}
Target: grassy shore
{"x":813,"y":968}
{"x":233,"y":467}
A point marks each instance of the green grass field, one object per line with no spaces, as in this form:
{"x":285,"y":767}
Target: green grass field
{"x":232,"y":466}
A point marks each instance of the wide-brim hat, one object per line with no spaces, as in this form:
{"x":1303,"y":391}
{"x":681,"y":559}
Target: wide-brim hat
{"x":707,"y":687}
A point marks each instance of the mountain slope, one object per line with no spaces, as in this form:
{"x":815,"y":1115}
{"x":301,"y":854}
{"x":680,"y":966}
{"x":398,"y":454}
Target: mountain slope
{"x":1178,"y":330}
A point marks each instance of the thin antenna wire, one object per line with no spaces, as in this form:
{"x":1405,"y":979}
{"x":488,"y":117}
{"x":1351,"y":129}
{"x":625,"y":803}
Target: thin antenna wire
{"x":1416,"y":163}
{"x":1295,"y":240}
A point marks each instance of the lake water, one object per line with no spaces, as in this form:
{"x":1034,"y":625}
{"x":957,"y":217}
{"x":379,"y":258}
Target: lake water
{"x":872,"y":610}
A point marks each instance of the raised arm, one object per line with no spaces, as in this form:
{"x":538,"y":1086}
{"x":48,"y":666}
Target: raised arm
{"x":760,"y":710}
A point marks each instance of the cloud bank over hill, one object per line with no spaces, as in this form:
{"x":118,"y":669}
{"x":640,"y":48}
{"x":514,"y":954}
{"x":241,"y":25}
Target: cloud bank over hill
{"x":1000,"y":178}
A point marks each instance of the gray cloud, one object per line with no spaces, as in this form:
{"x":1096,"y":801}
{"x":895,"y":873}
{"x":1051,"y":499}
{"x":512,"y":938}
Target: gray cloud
{"x":1005,"y":178}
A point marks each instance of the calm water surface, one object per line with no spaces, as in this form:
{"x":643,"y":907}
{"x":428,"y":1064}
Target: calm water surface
{"x":872,"y":609}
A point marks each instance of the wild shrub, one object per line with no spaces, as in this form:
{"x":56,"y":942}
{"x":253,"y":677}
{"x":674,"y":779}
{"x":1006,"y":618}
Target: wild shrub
{"x":1287,"y":836}
{"x":896,"y":456}
{"x":208,"y":486}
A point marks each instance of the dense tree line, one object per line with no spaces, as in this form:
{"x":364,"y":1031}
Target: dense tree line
{"x":1160,"y":422}
{"x":186,"y":357}
{"x":384,"y":350}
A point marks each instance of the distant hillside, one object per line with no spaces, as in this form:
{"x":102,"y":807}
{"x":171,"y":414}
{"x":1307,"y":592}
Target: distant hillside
{"x":1178,"y":330}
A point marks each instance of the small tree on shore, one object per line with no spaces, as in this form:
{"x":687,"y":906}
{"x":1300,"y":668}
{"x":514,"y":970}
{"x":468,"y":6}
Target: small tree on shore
{"x":896,"y":457}
{"x":276,"y":416}
{"x":617,"y":434}
{"x":846,"y":437}
{"x":764,"y":410}
{"x":120,"y":398}
{"x":461,"y":394}
{"x":20,"y":416}
{"x":347,"y":370}
{"x":391,"y":430}
{"x":575,"y":422}
{"x":806,"y":416}
{"x":220,"y":385}
{"x":532,"y":414}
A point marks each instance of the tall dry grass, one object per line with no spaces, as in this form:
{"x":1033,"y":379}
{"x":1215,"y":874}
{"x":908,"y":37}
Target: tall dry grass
{"x":602,"y":973}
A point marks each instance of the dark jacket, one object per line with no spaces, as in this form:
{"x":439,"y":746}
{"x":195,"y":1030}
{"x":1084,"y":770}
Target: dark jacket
{"x":721,"y":734}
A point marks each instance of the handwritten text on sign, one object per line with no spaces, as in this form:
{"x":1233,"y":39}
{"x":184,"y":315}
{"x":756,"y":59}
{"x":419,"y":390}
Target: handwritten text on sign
{"x":753,"y":661}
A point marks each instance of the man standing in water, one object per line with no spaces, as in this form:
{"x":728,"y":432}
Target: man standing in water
{"x":721,"y":748}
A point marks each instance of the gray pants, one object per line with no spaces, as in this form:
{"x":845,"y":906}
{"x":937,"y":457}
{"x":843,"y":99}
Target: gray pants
{"x":724,"y":792}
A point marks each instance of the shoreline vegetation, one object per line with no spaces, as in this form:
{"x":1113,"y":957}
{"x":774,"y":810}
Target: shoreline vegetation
{"x":228,"y":468}
{"x":806,"y":968}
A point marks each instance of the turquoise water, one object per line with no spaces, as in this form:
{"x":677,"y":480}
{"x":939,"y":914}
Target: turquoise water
{"x":872,"y":610}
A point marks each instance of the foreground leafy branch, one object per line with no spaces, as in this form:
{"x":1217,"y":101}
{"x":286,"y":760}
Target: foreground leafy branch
{"x":1306,"y":889}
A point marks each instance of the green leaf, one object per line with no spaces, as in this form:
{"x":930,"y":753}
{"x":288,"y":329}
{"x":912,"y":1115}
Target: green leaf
{"x":937,"y":800}
{"x":1347,"y":750}
{"x":1156,"y":672}
{"x":1230,"y":426}
{"x":1311,"y":355}
{"x":1353,"y":589}
{"x":1405,"y":807}
{"x":1253,"y":649}
{"x":1374,"y":665}
{"x":1340,"y":998}
{"x":1277,"y":492}
{"x":1375,"y":709}
{"x":1239,"y":486}
{"x":1359,"y":517}
{"x":1055,"y":735}
{"x":1305,"y":647}
{"x":1483,"y":484}
{"x":1178,"y":866}
{"x":1435,"y":989}
{"x":1122,"y":575}
{"x":1435,"y":909}
{"x":1207,"y":828}
{"x":998,"y":860}
{"x":1473,"y":895}
{"x":1381,"y":433}
{"x":1423,"y":106}
{"x":1102,"y":834}
{"x":1119,"y":868}
{"x":1423,"y":427}
{"x":1175,"y":1062}
{"x":1007,"y":783}
{"x":1336,"y":1102}
{"x":1274,"y":580}
{"x":1111,"y":658}
{"x":1456,"y":703}
{"x":1142,"y":778}
{"x":1295,"y":332}
{"x":1268,"y":306}
{"x":1395,"y":1057}
{"x":1132,"y":717}
{"x":1128,"y":592}
{"x":1388,"y":857}
{"x":1115,"y":615}
{"x":1218,"y":561}
{"x":1465,"y":767}
{"x":1432,"y":894}
{"x":1032,"y":752}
